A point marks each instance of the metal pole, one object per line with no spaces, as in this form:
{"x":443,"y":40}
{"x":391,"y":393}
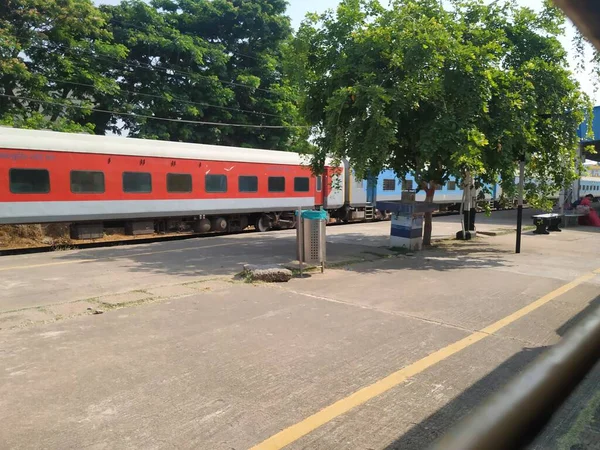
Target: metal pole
{"x":520,"y":207}
{"x":300,"y":240}
{"x":323,"y":245}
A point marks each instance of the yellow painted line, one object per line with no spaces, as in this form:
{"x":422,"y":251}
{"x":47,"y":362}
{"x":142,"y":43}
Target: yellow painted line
{"x":295,"y":432}
{"x":74,"y":261}
{"x":496,"y":326}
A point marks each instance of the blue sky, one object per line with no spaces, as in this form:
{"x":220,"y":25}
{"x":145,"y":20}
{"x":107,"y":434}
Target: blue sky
{"x":297,"y":10}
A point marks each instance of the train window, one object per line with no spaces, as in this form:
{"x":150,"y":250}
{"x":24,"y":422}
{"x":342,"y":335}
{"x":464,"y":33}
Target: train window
{"x":215,"y":183}
{"x":276,"y":184}
{"x":247,"y":184}
{"x":301,"y":184}
{"x":451,"y":186}
{"x":137,"y":182}
{"x":389,"y":184}
{"x":319,"y":183}
{"x":439,"y":187}
{"x":87,"y":182}
{"x":29,"y":181}
{"x":407,"y":185}
{"x":179,"y":182}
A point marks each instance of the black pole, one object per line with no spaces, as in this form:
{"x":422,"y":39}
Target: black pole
{"x":520,"y":207}
{"x":519,"y":223}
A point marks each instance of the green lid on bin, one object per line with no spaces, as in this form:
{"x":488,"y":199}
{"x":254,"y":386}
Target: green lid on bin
{"x":314,"y":215}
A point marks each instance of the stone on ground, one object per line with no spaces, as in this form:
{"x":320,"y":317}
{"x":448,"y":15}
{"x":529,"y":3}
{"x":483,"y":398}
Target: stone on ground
{"x":268,"y":274}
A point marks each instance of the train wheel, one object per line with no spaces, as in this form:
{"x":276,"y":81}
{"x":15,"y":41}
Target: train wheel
{"x":293,"y":223}
{"x":219,"y":224}
{"x":263,"y":223}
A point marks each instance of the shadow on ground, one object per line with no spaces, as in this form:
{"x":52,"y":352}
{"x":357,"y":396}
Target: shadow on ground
{"x":424,"y":434}
{"x":443,"y":256}
{"x":219,"y":256}
{"x":226,"y":255}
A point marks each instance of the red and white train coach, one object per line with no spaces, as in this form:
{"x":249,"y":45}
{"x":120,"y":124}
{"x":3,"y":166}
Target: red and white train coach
{"x":57,"y":177}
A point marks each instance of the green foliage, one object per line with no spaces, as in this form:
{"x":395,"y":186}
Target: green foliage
{"x":197,"y":60}
{"x":442,"y":92}
{"x":217,"y":61}
{"x":48,"y":58}
{"x":37,"y":121}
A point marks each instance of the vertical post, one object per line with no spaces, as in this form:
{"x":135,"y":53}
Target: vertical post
{"x":322,"y":241}
{"x":520,"y":207}
{"x":578,"y":181}
{"x":300,"y":240}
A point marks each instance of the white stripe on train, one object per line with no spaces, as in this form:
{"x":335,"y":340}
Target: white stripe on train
{"x":68,"y":211}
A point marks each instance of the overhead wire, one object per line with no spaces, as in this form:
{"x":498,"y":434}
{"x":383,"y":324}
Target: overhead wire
{"x":144,"y":116}
{"x":143,"y":94}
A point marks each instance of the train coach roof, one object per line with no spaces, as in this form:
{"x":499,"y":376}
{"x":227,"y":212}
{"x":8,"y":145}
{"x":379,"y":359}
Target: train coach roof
{"x":20,"y":139}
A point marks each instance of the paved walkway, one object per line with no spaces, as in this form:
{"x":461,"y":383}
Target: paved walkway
{"x":383,"y":351}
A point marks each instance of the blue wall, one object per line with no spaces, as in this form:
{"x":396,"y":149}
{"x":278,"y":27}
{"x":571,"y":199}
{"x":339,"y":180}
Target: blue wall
{"x":581,"y":132}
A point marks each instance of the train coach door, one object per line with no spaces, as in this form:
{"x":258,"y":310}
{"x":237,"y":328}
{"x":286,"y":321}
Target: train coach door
{"x":371,"y":190}
{"x":334,"y":187}
{"x":319,"y":191}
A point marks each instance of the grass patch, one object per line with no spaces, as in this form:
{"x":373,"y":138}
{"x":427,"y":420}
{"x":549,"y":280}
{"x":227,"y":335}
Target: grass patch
{"x":378,"y":255}
{"x":584,"y":419}
{"x":309,"y":269}
{"x":244,"y":276}
{"x":348,"y":262}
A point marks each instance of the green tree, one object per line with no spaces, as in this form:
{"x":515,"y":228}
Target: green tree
{"x":441,"y":92}
{"x":199,"y":60}
{"x":48,"y":60}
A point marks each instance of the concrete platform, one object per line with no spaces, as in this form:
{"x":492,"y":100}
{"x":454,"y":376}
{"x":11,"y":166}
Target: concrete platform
{"x":194,"y":358}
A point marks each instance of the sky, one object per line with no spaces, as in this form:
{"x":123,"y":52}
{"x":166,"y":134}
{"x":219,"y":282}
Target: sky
{"x":297,"y":10}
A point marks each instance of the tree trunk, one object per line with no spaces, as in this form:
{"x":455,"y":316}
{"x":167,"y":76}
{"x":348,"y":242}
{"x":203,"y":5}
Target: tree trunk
{"x":427,"y":225}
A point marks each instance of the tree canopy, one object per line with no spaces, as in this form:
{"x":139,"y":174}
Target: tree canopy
{"x":440,"y":92}
{"x":69,"y":65}
{"x":48,"y":59}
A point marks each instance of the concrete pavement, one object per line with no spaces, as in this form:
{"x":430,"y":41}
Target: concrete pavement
{"x":64,"y":276}
{"x":185,"y":356}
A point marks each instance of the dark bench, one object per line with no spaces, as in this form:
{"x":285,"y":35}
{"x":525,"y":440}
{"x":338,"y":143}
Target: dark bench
{"x":571,"y":218}
{"x":545,"y":223}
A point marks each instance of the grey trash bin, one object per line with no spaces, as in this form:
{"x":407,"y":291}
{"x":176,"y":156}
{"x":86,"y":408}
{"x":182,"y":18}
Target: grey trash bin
{"x":311,"y":235}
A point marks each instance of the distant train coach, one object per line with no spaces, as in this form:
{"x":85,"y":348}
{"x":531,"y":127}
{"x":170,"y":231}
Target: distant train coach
{"x":589,"y":185}
{"x":90,"y":180}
